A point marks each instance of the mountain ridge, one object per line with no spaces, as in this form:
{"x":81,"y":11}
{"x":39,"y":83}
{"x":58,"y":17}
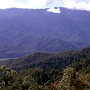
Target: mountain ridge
{"x":47,"y":60}
{"x":23,"y":27}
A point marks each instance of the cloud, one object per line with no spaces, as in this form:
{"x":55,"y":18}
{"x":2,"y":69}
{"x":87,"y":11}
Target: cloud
{"x":28,"y":3}
{"x":77,"y":4}
{"x":10,"y":3}
{"x":54,"y":10}
{"x":5,"y":3}
{"x":70,"y":4}
{"x":38,"y":3}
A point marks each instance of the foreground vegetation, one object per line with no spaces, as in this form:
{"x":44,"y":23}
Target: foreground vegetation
{"x":40,"y":79}
{"x":72,"y":72}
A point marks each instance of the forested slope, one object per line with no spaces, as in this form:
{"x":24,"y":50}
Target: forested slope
{"x":48,"y":60}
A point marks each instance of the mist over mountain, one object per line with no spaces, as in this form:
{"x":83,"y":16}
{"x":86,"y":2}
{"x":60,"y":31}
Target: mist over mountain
{"x":25,"y":31}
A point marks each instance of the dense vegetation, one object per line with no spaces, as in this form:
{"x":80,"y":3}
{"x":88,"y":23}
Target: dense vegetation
{"x":48,"y":60}
{"x":73,"y":74}
{"x":40,"y":79}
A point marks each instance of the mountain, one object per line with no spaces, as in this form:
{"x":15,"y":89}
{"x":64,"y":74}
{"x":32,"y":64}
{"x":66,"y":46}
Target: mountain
{"x":25,"y":31}
{"x":42,"y":45}
{"x":49,"y":60}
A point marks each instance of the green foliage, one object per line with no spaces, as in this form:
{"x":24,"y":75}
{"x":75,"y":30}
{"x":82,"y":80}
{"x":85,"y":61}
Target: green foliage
{"x":48,"y":75}
{"x":68,"y":79}
{"x":71,"y":80}
{"x":7,"y":77}
{"x":83,"y":65}
{"x":29,"y":83}
{"x":35,"y":79}
{"x":41,"y":79}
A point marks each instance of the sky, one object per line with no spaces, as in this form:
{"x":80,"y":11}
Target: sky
{"x":40,"y":4}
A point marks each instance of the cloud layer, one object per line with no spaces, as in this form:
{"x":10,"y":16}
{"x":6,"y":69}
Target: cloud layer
{"x":77,"y":4}
{"x":29,"y":4}
{"x":11,"y":3}
{"x":38,"y":3}
{"x":71,"y":4}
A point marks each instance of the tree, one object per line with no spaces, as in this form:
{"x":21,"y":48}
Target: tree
{"x":67,"y":82}
{"x":73,"y":81}
{"x":7,"y":78}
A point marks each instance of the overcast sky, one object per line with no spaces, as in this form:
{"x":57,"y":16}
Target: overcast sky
{"x":71,"y":4}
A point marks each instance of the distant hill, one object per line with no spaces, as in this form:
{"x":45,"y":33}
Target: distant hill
{"x":48,"y":60}
{"x":42,"y":45}
{"x":25,"y":31}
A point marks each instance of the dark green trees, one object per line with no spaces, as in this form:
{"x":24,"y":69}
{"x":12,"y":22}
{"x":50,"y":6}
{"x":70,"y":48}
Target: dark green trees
{"x":6,"y":78}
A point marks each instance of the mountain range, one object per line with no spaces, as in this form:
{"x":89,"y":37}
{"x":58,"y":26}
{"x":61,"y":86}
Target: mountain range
{"x":25,"y":31}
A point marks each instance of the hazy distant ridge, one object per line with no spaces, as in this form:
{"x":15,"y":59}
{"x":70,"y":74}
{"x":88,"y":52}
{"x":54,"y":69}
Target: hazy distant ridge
{"x":25,"y":31}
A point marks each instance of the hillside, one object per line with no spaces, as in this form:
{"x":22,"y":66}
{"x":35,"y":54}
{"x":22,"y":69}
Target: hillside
{"x":48,"y":60}
{"x":48,"y":71}
{"x":22,"y":31}
{"x":41,"y":45}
